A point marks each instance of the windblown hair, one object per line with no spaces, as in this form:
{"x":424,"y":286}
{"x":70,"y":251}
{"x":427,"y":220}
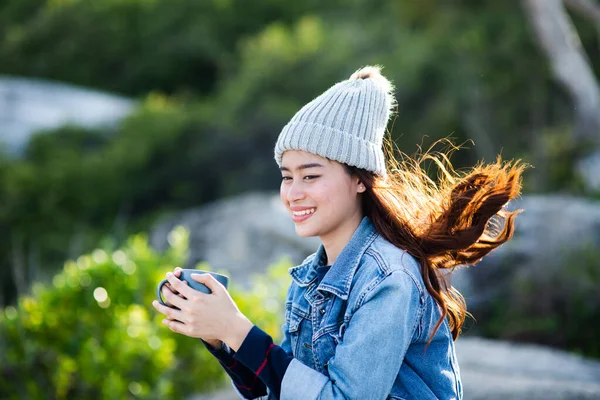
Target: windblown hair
{"x":453,"y":222}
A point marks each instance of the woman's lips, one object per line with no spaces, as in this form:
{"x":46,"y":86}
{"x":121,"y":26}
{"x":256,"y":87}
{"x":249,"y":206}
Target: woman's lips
{"x":302,"y":215}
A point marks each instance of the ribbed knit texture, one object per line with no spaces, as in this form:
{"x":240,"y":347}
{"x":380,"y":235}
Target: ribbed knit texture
{"x":346,"y":123}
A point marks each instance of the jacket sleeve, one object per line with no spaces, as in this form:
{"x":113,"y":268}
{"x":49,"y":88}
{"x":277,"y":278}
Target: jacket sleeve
{"x":249,"y":382}
{"x":370,"y":343}
{"x":285,"y":345}
{"x":244,"y":381}
{"x":265,"y":359}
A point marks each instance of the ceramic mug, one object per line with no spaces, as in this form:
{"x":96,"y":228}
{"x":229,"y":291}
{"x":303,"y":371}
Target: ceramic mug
{"x":186,"y":275}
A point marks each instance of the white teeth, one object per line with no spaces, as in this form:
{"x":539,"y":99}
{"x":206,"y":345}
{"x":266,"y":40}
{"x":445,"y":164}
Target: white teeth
{"x":303,"y":212}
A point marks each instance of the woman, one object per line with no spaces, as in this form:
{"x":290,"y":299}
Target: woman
{"x":370,"y":315}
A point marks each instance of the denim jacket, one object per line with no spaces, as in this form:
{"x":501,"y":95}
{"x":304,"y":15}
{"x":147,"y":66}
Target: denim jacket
{"x":362,"y":333}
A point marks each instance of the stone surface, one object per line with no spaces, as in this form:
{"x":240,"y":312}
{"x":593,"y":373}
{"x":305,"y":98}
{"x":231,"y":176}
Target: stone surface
{"x":550,"y":233}
{"x":588,"y":168}
{"x":495,"y":370}
{"x":241,"y":235}
{"x":246,"y":233}
{"x":28,"y":105}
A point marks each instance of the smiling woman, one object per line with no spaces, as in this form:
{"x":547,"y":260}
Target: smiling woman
{"x":322,"y":198}
{"x":375,"y":296}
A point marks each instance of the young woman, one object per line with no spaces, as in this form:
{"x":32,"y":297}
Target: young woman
{"x":370,"y":315}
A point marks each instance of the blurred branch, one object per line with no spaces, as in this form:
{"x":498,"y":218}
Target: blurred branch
{"x":18,"y":265}
{"x":76,"y":242}
{"x":538,"y":122}
{"x":558,"y":38}
{"x":476,"y":111}
{"x":475,"y":121}
{"x":586,"y":8}
{"x":121,"y":220}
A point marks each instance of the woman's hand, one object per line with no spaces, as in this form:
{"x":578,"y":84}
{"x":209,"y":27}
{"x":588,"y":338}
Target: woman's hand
{"x":215,"y":344}
{"x":167,"y":287}
{"x":212,"y":317}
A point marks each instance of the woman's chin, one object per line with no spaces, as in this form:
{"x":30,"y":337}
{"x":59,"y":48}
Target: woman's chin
{"x":305,"y":230}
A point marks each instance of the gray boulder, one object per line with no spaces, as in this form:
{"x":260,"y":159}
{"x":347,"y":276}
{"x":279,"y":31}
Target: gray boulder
{"x":496,"y":370}
{"x":544,"y":260}
{"x":588,"y":168}
{"x":28,"y":105}
{"x":245,"y":234}
{"x":242,"y":235}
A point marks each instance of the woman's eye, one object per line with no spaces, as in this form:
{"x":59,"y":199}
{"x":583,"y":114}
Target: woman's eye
{"x":310,"y":177}
{"x":286,"y":178}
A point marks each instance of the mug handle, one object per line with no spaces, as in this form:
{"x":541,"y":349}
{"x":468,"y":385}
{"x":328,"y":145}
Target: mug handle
{"x":158,"y":292}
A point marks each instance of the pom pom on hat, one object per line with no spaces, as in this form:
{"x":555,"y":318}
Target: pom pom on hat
{"x":373,"y":72}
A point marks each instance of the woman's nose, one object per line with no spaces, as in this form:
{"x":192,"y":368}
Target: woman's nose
{"x":295,"y":192}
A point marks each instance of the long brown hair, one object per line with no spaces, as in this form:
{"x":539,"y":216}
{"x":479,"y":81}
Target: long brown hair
{"x":453,"y":222}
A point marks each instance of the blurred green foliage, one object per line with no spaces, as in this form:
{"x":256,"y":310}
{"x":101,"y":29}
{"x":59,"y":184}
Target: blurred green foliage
{"x":76,"y":188}
{"x":216,"y":81}
{"x":93,"y":334}
{"x":467,"y":68}
{"x":132,"y":46}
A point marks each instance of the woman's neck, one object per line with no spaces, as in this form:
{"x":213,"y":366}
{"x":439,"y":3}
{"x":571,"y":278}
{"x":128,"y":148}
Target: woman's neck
{"x":335,"y":241}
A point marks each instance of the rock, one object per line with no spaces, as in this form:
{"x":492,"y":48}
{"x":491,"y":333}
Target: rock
{"x":496,"y":370}
{"x":587,"y":168}
{"x":242,"y":235}
{"x":226,"y":393}
{"x":29,"y":105}
{"x":549,"y":233}
{"x":245,"y":234}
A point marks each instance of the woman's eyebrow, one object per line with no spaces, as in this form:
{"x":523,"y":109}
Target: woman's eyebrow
{"x":303,"y":166}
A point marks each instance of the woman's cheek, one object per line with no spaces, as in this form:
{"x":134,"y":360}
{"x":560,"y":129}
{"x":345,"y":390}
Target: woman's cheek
{"x":283,"y":192}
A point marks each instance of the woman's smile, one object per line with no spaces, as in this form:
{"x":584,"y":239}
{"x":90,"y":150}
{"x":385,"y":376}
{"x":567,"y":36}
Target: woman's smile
{"x":302,"y":214}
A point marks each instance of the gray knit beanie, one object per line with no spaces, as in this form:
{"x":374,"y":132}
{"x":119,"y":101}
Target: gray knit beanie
{"x":344,"y":124}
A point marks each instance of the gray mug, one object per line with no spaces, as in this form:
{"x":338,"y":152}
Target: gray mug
{"x":186,"y":275}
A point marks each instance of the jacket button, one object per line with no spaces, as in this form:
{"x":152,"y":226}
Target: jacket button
{"x":322,"y":311}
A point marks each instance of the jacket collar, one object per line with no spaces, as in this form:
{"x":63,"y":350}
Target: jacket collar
{"x":339,"y":277}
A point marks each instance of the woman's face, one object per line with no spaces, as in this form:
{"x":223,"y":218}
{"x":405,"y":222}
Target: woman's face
{"x":320,"y":195}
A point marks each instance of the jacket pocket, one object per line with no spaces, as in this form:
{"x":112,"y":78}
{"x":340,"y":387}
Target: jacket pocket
{"x":294,"y":319}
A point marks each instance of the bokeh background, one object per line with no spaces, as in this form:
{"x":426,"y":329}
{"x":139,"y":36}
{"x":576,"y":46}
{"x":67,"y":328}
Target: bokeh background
{"x":121,"y":120}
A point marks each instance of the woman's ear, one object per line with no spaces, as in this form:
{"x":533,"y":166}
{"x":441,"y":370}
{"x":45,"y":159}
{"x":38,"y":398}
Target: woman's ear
{"x":361,"y":187}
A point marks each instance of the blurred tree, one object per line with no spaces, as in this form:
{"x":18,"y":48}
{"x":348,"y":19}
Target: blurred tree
{"x":218,"y":84}
{"x":92,"y":333}
{"x":75,"y":187}
{"x":560,"y":41}
{"x":132,"y":46}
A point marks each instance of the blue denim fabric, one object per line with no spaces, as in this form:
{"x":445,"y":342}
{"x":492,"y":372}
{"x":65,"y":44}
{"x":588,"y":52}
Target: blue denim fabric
{"x":362,"y":332}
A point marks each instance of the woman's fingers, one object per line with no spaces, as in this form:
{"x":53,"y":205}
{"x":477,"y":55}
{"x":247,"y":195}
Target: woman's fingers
{"x":170,"y":313}
{"x":173,"y":299}
{"x":168,"y":286}
{"x":209,"y":281}
{"x":180,"y":286}
{"x":176,"y":326}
